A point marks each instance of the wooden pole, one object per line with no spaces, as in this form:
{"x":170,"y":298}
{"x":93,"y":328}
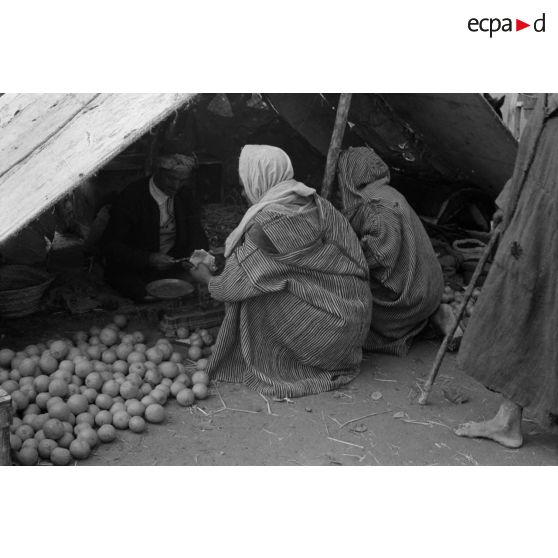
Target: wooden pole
{"x":447,"y":339}
{"x":335,"y":144}
{"x":5,"y":423}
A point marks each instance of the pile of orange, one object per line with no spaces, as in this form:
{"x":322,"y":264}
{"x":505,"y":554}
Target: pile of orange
{"x":70,"y":395}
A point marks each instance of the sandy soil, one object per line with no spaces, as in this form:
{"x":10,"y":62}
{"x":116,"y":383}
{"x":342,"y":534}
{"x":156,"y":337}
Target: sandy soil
{"x":235,"y":426}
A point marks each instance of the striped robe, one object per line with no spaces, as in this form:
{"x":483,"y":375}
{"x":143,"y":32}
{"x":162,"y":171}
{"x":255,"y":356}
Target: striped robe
{"x":406,"y":279}
{"x":298,"y":305}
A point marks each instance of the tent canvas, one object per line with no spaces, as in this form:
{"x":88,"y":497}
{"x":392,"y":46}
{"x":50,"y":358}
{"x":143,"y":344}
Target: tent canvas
{"x":51,"y":142}
{"x":453,"y":138}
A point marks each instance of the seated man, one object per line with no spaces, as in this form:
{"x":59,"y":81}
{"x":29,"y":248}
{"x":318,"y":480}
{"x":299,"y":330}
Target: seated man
{"x":153,"y":222}
{"x":406,"y":279}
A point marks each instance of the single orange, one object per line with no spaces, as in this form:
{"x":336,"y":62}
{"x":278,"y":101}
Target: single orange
{"x":109,"y":356}
{"x":59,"y":350}
{"x":176,"y":387}
{"x":78,"y":403}
{"x":42,"y":399}
{"x":15,"y":442}
{"x":20,"y":401}
{"x":60,"y":456}
{"x":129,"y":390}
{"x":139,"y":337}
{"x":159,"y":395}
{"x":120,"y":320}
{"x":111,"y":388}
{"x":194,"y":353}
{"x":121,"y":420}
{"x":154,"y":354}
{"x":53,"y":429}
{"x":60,"y":411}
{"x":94,"y":380}
{"x":109,"y":336}
{"x":6,"y":356}
{"x":107,"y":433}
{"x":200,"y":391}
{"x":41,"y":383}
{"x":137,"y":424}
{"x":48,"y":364}
{"x":79,"y":449}
{"x":168,"y":369}
{"x":58,"y":388}
{"x":155,"y":413}
{"x":89,"y":436}
{"x":185,"y":397}
{"x":68,"y":365}
{"x":66,"y":440}
{"x":28,"y":366}
{"x":28,"y":456}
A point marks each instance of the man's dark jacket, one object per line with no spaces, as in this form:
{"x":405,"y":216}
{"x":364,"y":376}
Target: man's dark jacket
{"x":133,"y":230}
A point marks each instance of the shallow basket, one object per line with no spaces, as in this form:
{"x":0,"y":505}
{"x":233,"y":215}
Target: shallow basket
{"x":21,"y":289}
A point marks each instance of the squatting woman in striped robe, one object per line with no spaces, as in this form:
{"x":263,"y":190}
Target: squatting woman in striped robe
{"x":295,"y":285}
{"x":406,"y":279}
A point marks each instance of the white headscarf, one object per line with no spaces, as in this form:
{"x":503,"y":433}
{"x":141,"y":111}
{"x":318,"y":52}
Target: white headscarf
{"x":267,"y":174}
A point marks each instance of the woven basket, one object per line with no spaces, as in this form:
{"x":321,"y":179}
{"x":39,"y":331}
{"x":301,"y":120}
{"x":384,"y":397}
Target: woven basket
{"x":21,"y":289}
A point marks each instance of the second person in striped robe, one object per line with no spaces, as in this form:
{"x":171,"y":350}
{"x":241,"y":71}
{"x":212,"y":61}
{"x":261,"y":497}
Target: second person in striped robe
{"x":406,"y":279}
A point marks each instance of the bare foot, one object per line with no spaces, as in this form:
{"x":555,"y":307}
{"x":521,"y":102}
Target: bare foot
{"x":443,"y":320}
{"x":504,"y":428}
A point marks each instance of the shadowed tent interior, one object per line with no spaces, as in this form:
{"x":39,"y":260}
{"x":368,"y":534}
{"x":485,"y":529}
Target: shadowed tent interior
{"x":65,"y":157}
{"x":50,"y":143}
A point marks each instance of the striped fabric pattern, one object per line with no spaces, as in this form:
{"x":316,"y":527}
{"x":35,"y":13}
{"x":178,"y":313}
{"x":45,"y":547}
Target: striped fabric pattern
{"x":406,"y":279}
{"x":296,"y":316}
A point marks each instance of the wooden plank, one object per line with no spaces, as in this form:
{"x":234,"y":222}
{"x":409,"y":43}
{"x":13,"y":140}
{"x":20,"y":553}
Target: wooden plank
{"x":27,"y":121}
{"x":101,"y":129}
{"x":465,"y":130}
{"x":5,"y":423}
{"x":335,"y":144}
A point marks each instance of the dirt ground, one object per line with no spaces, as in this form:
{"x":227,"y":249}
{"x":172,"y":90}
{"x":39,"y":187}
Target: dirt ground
{"x":235,"y":426}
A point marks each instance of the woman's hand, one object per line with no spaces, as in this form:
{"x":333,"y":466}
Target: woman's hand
{"x":498,"y":216}
{"x":160,"y":261}
{"x":201,"y":274}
